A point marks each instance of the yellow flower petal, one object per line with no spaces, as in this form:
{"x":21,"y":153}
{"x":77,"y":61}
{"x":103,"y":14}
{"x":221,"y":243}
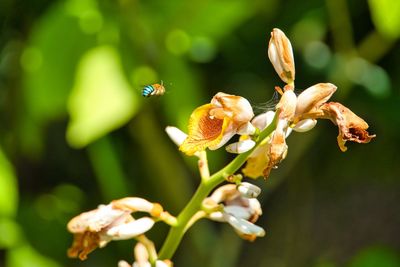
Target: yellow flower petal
{"x":204,"y":130}
{"x":256,"y":164}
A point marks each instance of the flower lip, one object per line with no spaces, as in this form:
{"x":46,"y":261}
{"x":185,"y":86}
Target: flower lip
{"x":212,"y":125}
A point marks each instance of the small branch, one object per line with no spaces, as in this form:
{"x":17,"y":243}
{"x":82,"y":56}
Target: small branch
{"x":203,"y":166}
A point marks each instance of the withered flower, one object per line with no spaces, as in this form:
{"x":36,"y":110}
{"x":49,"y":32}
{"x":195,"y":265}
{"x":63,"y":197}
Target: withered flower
{"x":212,"y":125}
{"x":311,"y":104}
{"x":351,"y":127}
{"x":114,"y":221}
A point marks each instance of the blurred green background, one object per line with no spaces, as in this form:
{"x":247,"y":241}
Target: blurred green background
{"x":75,"y":131}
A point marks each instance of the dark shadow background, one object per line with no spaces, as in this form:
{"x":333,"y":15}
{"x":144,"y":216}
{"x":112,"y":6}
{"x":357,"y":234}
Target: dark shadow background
{"x":75,"y":131}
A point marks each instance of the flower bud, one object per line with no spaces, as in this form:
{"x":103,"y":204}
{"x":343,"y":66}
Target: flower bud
{"x":280,"y":54}
{"x":240,"y":147}
{"x":263,"y":120}
{"x":249,"y":190}
{"x":176,"y":135}
{"x":304,"y":125}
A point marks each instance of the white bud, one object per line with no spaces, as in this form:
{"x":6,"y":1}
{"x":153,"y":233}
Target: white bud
{"x":244,"y":227}
{"x":249,"y":190}
{"x":241,"y":146}
{"x":176,"y":135}
{"x":238,"y":211}
{"x":246,"y":129}
{"x":304,"y":125}
{"x":131,"y":229}
{"x":263,"y":120}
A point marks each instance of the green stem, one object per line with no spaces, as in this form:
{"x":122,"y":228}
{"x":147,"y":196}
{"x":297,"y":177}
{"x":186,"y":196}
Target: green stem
{"x":176,"y":233}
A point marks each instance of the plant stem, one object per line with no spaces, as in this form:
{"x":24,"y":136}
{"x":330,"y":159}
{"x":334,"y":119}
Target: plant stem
{"x":176,"y":233}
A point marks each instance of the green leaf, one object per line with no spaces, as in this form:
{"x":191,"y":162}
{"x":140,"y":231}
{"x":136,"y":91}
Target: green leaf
{"x":26,"y":256}
{"x":48,"y":62}
{"x":385,"y":15}
{"x":8,"y":188}
{"x":101,"y":100}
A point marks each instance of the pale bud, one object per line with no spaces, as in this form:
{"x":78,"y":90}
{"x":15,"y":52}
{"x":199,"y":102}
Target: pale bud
{"x":246,"y":129}
{"x":131,"y":229}
{"x":241,"y":146}
{"x":249,"y":190}
{"x":263,"y":120}
{"x":304,"y":125}
{"x":244,"y":227}
{"x":280,"y":54}
{"x":176,"y":135}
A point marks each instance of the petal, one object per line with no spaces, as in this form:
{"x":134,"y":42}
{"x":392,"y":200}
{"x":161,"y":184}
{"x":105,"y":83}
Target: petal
{"x":245,"y":227}
{"x":223,"y":193}
{"x":304,"y":125}
{"x":313,"y":97}
{"x":257,"y":162}
{"x":278,"y":147}
{"x":133,"y":204}
{"x":351,"y":127}
{"x":217,"y":216}
{"x":238,"y":211}
{"x":241,"y":146}
{"x":131,"y":229}
{"x":263,"y":120}
{"x":280,"y":53}
{"x":141,"y":255}
{"x":236,"y":107}
{"x":246,"y":129}
{"x":95,"y":220}
{"x":83,"y":244}
{"x":176,"y":135}
{"x":249,"y":190}
{"x":204,"y":130}
{"x":287,"y":105}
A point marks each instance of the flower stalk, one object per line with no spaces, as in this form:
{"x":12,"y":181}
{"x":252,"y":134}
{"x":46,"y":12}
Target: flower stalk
{"x":177,"y":232}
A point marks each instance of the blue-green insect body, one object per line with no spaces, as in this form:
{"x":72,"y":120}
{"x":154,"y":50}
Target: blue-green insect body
{"x":154,"y":89}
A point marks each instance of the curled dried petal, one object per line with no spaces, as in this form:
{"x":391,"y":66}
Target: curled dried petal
{"x":351,"y":127}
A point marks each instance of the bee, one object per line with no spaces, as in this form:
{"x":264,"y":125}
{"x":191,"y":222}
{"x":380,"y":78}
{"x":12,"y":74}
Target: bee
{"x":153,"y":89}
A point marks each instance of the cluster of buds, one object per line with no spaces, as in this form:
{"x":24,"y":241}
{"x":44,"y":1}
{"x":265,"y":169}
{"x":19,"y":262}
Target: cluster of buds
{"x":238,"y":206}
{"x":114,"y":221}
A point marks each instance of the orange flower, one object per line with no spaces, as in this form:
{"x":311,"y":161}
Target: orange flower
{"x":212,"y":125}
